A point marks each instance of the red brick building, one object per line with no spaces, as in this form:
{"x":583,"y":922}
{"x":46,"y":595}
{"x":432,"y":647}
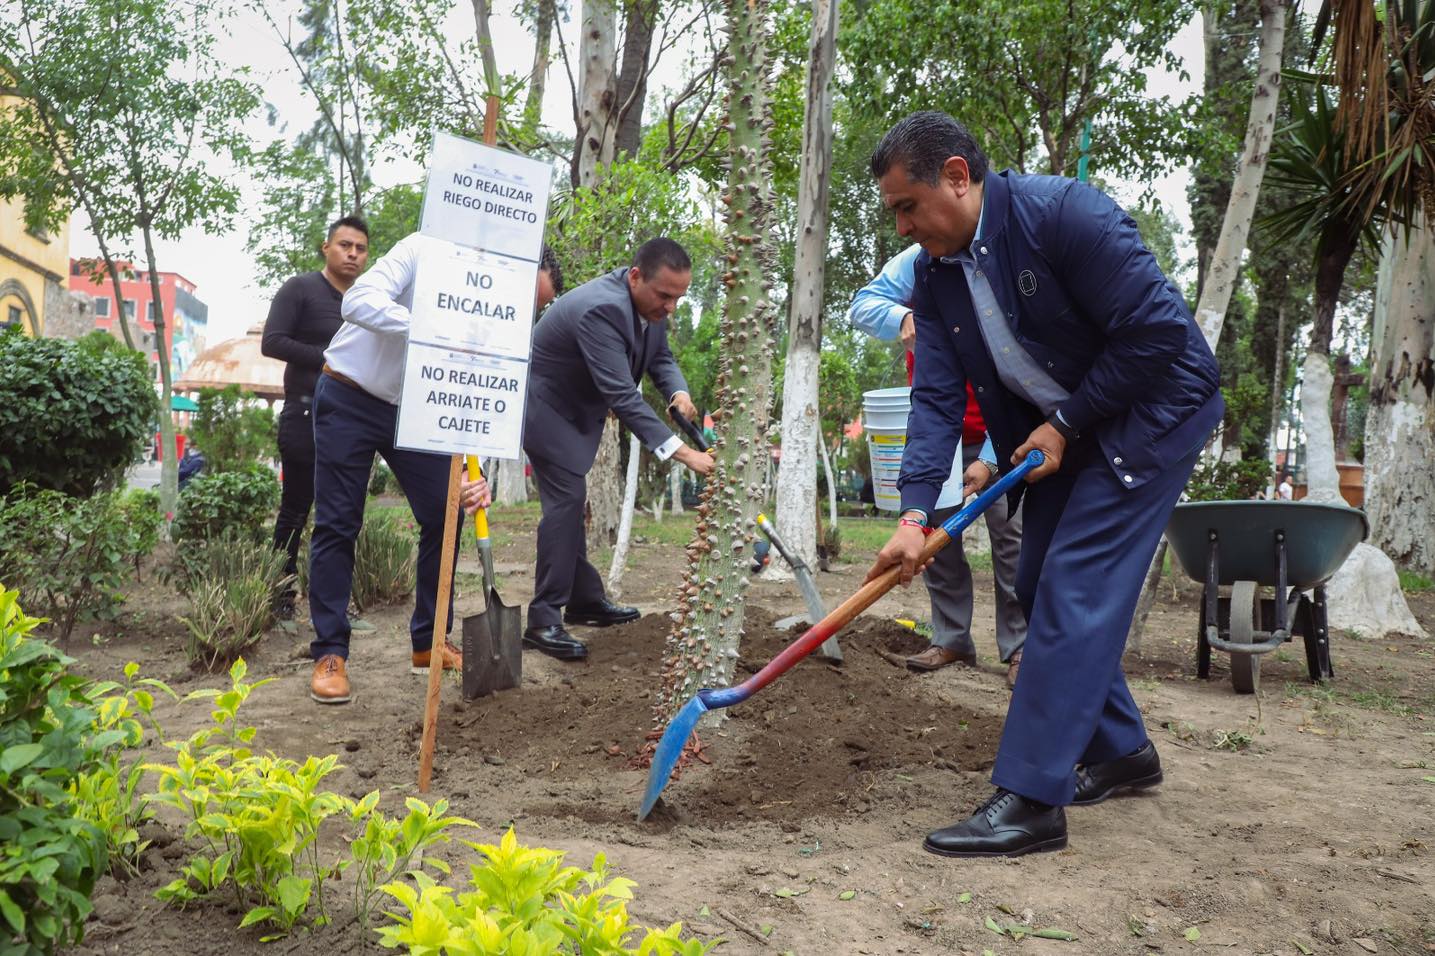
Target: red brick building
{"x":185,"y":317}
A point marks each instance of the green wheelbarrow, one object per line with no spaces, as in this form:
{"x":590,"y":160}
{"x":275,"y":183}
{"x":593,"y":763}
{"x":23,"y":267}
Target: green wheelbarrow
{"x":1289,"y":547}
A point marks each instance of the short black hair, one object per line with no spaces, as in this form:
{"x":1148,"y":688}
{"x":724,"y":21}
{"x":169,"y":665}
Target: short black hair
{"x":548,"y":262}
{"x":353,"y":222}
{"x":922,"y":142}
{"x":661,"y":253}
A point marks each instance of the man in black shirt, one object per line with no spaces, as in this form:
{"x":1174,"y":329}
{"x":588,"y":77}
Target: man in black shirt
{"x":302,"y":319}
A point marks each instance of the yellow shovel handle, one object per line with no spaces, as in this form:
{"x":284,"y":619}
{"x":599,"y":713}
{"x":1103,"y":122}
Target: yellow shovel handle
{"x":480,"y":517}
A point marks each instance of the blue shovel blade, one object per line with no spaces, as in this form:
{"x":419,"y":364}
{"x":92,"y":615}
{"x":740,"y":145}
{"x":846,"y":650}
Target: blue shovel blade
{"x":670,"y":748}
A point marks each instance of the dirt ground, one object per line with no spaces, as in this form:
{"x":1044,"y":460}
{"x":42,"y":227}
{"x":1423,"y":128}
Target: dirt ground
{"x":1297,"y":821}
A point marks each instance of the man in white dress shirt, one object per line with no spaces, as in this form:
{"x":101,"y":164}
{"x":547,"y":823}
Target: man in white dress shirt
{"x":355,"y":415}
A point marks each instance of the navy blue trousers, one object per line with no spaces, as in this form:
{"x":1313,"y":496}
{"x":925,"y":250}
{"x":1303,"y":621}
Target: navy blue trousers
{"x":350,"y":425}
{"x":1087,"y":544}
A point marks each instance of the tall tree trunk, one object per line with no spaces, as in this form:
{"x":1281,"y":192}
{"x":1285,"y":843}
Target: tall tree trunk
{"x":509,"y":485}
{"x":605,"y":487}
{"x":1400,"y":425}
{"x":642,"y":16}
{"x":1322,"y":479}
{"x":547,"y":15}
{"x":625,"y":524}
{"x":801,"y":429}
{"x":1225,"y":26}
{"x":169,"y":465}
{"x":831,"y":482}
{"x":1277,"y":387}
{"x":675,"y":487}
{"x":483,"y":32}
{"x":702,"y":648}
{"x":114,"y":274}
{"x":1224,"y":270}
{"x":597,"y":61}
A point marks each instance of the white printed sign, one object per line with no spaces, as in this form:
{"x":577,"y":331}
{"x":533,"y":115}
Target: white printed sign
{"x":486,"y":198}
{"x":461,"y":403}
{"x":468,"y":299}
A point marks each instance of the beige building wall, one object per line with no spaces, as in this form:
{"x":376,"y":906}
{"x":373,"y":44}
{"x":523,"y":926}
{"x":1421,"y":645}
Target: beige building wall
{"x":34,"y":269}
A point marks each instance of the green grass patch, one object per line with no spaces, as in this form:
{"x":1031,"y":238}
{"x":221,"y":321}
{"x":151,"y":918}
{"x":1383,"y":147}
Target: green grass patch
{"x":1411,"y":583}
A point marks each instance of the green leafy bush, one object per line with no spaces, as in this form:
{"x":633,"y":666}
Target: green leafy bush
{"x":68,"y":556}
{"x":242,"y":501}
{"x":385,"y":558}
{"x":232,"y":583}
{"x":74,"y":414}
{"x":525,"y":901}
{"x":140,"y":509}
{"x":49,"y":857}
{"x":231,"y":430}
{"x":255,"y":821}
{"x":1228,"y":480}
{"x":380,"y":479}
{"x":109,"y":795}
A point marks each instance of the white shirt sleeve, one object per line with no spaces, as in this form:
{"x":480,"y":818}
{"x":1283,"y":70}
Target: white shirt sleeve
{"x":372,"y":301}
{"x":668,"y":448}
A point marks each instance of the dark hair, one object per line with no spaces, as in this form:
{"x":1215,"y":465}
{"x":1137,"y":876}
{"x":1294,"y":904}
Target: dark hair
{"x":661,"y":253}
{"x":353,"y":222}
{"x":548,"y":262}
{"x":922,"y":142}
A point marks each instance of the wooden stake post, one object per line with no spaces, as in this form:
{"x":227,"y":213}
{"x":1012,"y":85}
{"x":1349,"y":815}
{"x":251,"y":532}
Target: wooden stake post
{"x":445,"y":575}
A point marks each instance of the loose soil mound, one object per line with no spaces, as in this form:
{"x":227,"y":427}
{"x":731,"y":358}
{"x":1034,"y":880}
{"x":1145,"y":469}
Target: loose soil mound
{"x":808,"y":746}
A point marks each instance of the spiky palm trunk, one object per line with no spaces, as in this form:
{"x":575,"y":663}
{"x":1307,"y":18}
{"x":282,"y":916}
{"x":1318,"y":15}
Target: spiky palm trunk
{"x":707,"y":626}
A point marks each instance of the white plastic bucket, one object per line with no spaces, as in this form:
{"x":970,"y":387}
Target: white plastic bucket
{"x":886,"y":407}
{"x":884,"y":419}
{"x":885,"y":446}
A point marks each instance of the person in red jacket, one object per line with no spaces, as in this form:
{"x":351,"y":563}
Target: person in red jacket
{"x":880,"y":309}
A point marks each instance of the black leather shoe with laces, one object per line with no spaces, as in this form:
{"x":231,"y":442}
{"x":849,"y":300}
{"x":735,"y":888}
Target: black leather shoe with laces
{"x":1135,"y":771}
{"x":1008,"y":824}
{"x":603,"y":614}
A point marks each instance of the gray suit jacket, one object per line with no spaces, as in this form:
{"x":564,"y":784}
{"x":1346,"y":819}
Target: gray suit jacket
{"x":590,"y":352}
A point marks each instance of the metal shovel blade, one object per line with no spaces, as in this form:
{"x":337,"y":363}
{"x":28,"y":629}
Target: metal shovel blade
{"x":492,"y":649}
{"x":670,"y":748}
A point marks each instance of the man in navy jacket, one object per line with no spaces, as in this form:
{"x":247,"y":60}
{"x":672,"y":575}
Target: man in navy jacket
{"x":1039,"y":291}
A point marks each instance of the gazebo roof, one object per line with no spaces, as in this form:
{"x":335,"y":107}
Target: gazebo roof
{"x":236,"y":362}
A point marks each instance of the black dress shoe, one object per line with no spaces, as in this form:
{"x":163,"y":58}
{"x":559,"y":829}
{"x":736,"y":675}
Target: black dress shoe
{"x":603,"y":614}
{"x":555,"y":642}
{"x":1137,"y":771}
{"x":1006,"y":825}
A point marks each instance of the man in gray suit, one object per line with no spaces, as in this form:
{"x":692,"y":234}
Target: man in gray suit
{"x":590,"y":352}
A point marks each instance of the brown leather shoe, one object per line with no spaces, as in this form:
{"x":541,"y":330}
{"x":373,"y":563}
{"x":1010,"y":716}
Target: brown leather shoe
{"x":1012,"y":666}
{"x":452,"y":659}
{"x":330,"y":683}
{"x":936,"y":657}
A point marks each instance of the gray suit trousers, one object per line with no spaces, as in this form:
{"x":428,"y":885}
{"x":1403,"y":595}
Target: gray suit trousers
{"x":949,"y":580}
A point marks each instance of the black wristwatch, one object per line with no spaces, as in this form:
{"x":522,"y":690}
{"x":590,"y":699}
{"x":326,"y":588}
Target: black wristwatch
{"x":1067,"y":432}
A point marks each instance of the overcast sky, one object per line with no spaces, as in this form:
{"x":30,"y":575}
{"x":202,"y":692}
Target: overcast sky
{"x":220,"y":267}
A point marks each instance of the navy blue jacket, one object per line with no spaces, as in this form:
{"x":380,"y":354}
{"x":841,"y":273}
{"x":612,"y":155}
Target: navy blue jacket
{"x":1088,"y":301}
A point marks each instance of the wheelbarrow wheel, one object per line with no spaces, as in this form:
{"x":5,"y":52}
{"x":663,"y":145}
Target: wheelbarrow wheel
{"x":1245,"y":620}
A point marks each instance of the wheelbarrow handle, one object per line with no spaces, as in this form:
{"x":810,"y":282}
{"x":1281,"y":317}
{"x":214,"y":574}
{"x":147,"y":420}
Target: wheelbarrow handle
{"x":694,"y":433}
{"x":868,"y":594}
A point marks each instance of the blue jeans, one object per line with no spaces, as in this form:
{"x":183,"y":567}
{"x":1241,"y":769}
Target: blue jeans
{"x":350,"y":425}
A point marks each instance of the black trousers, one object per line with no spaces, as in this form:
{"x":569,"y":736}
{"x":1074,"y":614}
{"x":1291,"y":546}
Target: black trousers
{"x":564,"y":575}
{"x":296,"y":454}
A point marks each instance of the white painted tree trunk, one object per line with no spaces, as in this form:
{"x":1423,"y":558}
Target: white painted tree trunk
{"x":509,"y":486}
{"x":597,"y":90}
{"x":797,"y":472}
{"x":1400,"y":425}
{"x":1365,"y":598}
{"x":605,"y":488}
{"x":831,"y":480}
{"x":1322,"y":479}
{"x":1224,"y":271}
{"x":625,"y":524}
{"x":675,"y":487}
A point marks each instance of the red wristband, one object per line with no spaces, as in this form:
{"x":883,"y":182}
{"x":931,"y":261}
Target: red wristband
{"x":911,"y":523}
